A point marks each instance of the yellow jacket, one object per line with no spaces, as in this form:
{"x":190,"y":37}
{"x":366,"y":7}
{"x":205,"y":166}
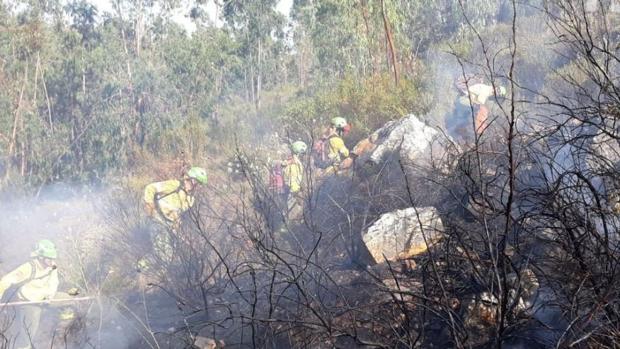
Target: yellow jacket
{"x":169,"y":198}
{"x":39,"y":284}
{"x":337,"y":150}
{"x":479,"y":94}
{"x":293,"y":174}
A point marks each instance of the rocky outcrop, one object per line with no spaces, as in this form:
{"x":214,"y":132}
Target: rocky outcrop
{"x":403,"y":233}
{"x":416,"y":144}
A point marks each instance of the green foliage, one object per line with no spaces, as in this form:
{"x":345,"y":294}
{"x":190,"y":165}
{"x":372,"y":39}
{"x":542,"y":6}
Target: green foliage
{"x":84,"y":94}
{"x":367,"y":104}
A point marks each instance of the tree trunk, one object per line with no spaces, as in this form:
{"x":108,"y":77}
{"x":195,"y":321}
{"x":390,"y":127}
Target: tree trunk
{"x":259,"y":74}
{"x":300,"y":66}
{"x":252,"y":90}
{"x":132,"y":96}
{"x":139,"y":30}
{"x":22,"y":168}
{"x":390,"y":42}
{"x":245,"y":84}
{"x":49,"y":104}
{"x":16,"y":123}
{"x":366,"y":16}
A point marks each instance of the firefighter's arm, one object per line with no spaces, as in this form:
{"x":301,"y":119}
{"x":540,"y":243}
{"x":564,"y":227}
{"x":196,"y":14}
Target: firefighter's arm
{"x":190,"y":202}
{"x":338,"y":145}
{"x":343,"y":153}
{"x":343,"y":150}
{"x":18,"y":275}
{"x":53,"y":285}
{"x":149,"y":198}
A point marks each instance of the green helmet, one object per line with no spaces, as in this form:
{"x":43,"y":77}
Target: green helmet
{"x":299,"y":147}
{"x":198,"y":173}
{"x":45,"y":248}
{"x":339,"y":122}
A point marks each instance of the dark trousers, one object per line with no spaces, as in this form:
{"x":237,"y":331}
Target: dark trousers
{"x":459,"y":124}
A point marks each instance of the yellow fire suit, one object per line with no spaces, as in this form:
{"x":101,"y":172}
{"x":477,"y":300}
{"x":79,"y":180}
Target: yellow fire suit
{"x":38,"y":283}
{"x":479,"y":94}
{"x":293,"y":174}
{"x":169,"y":198}
{"x":337,"y":151}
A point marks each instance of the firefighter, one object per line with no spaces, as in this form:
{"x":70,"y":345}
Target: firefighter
{"x":35,"y":281}
{"x":166,"y":202}
{"x":293,"y":172}
{"x":330,"y":151}
{"x":474,"y":95}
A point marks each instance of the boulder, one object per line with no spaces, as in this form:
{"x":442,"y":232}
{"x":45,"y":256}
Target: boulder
{"x":417,"y":145}
{"x":403,"y":233}
{"x":207,"y":343}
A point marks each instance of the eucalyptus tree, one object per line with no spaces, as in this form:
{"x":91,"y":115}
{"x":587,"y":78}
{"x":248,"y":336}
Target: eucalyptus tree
{"x":258,"y":27}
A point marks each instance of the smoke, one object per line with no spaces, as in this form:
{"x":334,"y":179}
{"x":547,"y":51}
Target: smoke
{"x":70,"y":217}
{"x":57,"y":211}
{"x":444,"y":70}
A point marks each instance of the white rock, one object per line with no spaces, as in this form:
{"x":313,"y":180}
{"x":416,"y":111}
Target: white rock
{"x":416,"y":143}
{"x":403,"y":233}
{"x":205,"y":343}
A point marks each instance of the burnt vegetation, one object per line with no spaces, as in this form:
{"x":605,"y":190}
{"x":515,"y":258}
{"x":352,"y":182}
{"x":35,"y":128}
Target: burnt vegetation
{"x":512,"y":232}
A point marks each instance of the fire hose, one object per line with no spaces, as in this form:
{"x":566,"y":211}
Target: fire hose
{"x":49,"y":301}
